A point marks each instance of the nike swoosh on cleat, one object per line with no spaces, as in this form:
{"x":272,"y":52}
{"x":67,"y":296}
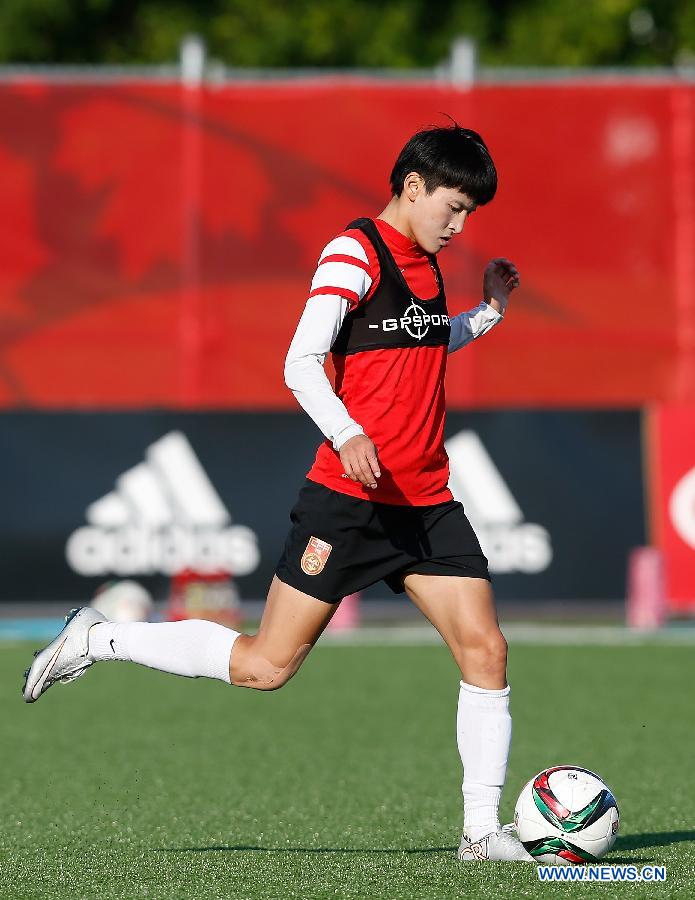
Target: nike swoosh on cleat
{"x":36,"y":692}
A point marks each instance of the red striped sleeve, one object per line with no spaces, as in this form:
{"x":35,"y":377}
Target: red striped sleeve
{"x":337,"y":291}
{"x":370,"y":267}
{"x":351,"y":260}
{"x":374,"y":268}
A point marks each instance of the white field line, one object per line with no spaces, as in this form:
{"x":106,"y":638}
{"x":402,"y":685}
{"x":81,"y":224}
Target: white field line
{"x":516,"y":633}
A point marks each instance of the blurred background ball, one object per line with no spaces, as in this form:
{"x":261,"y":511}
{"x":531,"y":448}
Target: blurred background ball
{"x":567,"y":815}
{"x":124,"y":601}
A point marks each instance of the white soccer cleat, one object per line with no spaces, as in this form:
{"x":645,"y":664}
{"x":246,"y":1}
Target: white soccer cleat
{"x":498,"y":846}
{"x":65,"y":658}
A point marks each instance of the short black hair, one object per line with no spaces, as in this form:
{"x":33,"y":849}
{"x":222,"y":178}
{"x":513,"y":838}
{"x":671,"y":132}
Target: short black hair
{"x":452,"y":157}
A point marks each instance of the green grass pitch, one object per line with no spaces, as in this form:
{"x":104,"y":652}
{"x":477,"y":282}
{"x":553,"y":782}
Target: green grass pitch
{"x":134,"y":784}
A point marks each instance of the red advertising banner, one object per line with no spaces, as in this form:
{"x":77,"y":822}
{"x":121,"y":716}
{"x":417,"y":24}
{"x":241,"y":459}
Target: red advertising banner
{"x":672,"y":463}
{"x":159,"y":241}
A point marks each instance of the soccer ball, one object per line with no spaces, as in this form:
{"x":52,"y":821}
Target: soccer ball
{"x":567,"y":815}
{"x":123,"y":601}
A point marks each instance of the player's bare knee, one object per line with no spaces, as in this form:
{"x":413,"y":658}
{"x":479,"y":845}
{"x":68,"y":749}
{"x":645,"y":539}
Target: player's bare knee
{"x":492,"y":655}
{"x":252,"y":669}
{"x":486,"y":652}
{"x":496,"y":648}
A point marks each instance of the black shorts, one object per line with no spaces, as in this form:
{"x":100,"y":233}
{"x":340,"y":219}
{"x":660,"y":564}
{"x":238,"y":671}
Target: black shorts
{"x":340,"y":544}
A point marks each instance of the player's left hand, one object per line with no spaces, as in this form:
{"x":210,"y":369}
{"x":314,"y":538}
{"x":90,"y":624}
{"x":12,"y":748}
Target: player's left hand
{"x":499,"y":280}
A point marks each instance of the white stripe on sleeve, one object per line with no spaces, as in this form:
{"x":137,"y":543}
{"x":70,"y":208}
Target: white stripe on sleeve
{"x":344,"y":246}
{"x":337,"y":275}
{"x":341,"y":275}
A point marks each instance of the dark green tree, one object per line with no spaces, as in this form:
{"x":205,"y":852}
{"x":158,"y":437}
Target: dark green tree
{"x":350,"y":33}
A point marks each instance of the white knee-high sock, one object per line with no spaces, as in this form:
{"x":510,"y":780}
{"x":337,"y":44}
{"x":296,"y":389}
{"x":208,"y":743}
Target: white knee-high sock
{"x":194,"y":648}
{"x":483,"y":733}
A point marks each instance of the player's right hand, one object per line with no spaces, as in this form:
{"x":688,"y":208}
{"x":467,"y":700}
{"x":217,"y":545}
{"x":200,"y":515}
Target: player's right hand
{"x":359,"y":459}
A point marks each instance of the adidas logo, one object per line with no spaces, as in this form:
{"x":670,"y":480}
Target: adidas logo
{"x":510,"y":543}
{"x":163,"y":516}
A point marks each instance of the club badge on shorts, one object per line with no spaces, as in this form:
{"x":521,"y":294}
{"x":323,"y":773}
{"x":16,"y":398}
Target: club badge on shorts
{"x":315,"y":556}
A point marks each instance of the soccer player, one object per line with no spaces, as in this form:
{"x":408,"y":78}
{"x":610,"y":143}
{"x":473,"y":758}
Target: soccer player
{"x":376,"y":504}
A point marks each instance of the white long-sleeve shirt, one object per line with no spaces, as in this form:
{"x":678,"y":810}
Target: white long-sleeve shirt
{"x":319,"y":326}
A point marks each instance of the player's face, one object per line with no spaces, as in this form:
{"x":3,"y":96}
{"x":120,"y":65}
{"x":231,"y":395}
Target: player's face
{"x":435,"y":218}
